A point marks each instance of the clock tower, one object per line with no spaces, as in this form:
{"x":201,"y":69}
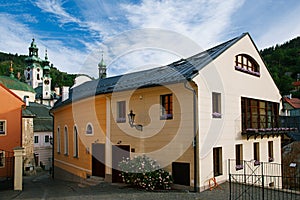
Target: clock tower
{"x":34,"y":70}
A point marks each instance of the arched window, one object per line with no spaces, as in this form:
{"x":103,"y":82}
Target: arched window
{"x":75,"y":142}
{"x":58,"y":141}
{"x":89,"y":129}
{"x":247,"y":64}
{"x":66,"y":141}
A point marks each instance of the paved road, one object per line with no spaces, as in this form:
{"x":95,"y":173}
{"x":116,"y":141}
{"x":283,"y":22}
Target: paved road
{"x":43,"y":187}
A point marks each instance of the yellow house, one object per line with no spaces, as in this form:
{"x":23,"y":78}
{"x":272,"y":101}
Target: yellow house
{"x":195,"y":113}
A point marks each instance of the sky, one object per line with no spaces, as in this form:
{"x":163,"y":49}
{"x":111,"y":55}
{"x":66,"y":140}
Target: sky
{"x":133,"y":35}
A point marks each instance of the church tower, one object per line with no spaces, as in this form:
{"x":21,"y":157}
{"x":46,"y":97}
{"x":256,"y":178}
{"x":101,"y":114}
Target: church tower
{"x":102,"y":68}
{"x":34,"y":70}
{"x":46,"y":79}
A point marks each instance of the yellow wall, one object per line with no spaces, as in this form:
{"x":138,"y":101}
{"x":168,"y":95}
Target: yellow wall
{"x":83,"y":112}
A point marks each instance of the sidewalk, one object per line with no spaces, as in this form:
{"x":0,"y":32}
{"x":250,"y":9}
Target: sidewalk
{"x":42,"y":186}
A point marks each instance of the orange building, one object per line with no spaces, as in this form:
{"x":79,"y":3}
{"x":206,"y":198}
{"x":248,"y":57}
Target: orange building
{"x":10,"y":125}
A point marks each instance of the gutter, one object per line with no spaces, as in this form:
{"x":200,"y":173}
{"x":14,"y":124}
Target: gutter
{"x":52,"y":170}
{"x":195,"y":145}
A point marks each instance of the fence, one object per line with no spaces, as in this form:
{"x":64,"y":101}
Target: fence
{"x":260,"y":180}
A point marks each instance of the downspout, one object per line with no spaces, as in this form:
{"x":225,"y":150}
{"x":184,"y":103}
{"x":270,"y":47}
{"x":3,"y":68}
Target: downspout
{"x":52,"y":172}
{"x":195,"y":145}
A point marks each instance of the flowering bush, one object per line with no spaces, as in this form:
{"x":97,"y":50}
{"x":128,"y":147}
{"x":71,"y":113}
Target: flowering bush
{"x":145,"y":173}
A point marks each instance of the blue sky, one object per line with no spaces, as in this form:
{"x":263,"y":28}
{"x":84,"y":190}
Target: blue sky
{"x":139,"y":34}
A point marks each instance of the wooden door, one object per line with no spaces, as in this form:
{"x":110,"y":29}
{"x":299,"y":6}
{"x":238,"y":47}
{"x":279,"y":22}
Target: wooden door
{"x":118,"y":153}
{"x":98,"y":160}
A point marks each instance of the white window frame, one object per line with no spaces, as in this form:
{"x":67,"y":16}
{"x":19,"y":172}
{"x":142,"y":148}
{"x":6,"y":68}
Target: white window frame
{"x":66,"y":141}
{"x":58,"y":140}
{"x":120,"y":110}
{"x":75,"y":142}
{"x":216,"y":105}
{"x":86,"y":129}
{"x":5,"y":129}
{"x":36,"y":136}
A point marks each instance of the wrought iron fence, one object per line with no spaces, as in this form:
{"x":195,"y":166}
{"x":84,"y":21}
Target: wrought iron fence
{"x":261,"y":180}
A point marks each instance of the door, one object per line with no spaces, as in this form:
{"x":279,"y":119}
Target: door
{"x":181,"y":173}
{"x":118,"y":153}
{"x":98,"y":160}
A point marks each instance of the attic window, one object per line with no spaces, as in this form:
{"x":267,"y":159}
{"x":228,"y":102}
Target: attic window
{"x":247,"y":64}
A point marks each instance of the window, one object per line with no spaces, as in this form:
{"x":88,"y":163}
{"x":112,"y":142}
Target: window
{"x":256,"y":151}
{"x":66,"y":141}
{"x":217,"y":159}
{"x":216,"y":105}
{"x":2,"y":159}
{"x":258,"y":114}
{"x":246,"y":64}
{"x":89,"y":129}
{"x":47,"y":138}
{"x":239,"y":156}
{"x":2,"y":127}
{"x":166,"y":102}
{"x":75,"y":143}
{"x":270,"y":151}
{"x":38,"y":76}
{"x":121,"y":111}
{"x":58,"y":141}
{"x":36,"y":139}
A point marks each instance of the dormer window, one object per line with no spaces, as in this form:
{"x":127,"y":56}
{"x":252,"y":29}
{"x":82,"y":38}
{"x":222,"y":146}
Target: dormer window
{"x":247,"y":64}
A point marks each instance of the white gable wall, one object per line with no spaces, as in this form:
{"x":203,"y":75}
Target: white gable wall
{"x":220,"y":76}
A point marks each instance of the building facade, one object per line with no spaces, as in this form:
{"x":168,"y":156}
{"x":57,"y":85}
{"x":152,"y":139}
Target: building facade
{"x":191,"y":116}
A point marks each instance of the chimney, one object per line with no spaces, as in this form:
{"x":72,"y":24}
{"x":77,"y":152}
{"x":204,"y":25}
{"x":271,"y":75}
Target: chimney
{"x":65,"y":93}
{"x":290,"y":96}
{"x":26,"y":100}
{"x":57,"y":90}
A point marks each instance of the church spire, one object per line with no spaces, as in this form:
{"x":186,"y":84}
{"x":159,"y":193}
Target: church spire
{"x":102,"y":68}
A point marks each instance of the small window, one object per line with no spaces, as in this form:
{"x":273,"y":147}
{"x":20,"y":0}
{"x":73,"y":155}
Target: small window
{"x":2,"y":127}
{"x":166,"y":102}
{"x":89,"y":129}
{"x":217,"y":161}
{"x":239,"y":156}
{"x":256,"y":152}
{"x":75,"y":143}
{"x":58,"y":140}
{"x":121,"y":111}
{"x":216,"y":105}
{"x":2,"y":159}
{"x":270,"y":151}
{"x":47,"y":138}
{"x":66,"y":141}
{"x":36,"y":139}
{"x":38,"y":76}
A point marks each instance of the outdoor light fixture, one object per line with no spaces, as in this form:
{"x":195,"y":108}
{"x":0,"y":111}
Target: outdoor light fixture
{"x":131,"y":117}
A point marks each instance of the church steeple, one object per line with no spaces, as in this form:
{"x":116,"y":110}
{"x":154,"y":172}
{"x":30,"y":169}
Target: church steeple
{"x":102,"y":68}
{"x":33,"y":50}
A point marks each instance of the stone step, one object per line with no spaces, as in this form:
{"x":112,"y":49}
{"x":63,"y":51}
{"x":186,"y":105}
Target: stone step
{"x":91,"y":181}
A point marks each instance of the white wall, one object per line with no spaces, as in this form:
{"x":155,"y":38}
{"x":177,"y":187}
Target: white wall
{"x":221,"y":76}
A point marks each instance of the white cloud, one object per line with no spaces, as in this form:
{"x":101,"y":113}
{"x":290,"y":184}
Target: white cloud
{"x":282,"y":30}
{"x":56,"y":7}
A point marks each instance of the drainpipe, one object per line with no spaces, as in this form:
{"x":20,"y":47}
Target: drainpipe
{"x":195,"y":146}
{"x":52,"y":172}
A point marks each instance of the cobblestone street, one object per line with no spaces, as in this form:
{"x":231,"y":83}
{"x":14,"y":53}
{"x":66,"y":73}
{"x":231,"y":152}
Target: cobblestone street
{"x":43,"y":187}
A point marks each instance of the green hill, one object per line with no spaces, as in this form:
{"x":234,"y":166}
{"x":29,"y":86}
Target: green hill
{"x":283,"y":61}
{"x":58,"y":78}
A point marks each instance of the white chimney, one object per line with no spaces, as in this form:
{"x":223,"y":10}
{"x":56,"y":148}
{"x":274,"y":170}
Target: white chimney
{"x":26,"y":100}
{"x":57,"y":91}
{"x":65,"y":93}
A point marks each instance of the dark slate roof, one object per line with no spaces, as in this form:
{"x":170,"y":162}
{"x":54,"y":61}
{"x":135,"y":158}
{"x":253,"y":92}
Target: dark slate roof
{"x":42,"y":120}
{"x":15,"y":84}
{"x":179,"y":71}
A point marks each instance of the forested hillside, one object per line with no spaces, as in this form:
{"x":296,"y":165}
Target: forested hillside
{"x":58,"y":78}
{"x":283,"y":61}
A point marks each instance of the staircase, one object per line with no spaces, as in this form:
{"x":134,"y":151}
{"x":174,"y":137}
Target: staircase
{"x":91,"y":181}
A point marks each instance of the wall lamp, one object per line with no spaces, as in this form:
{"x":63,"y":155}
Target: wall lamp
{"x":131,"y":117}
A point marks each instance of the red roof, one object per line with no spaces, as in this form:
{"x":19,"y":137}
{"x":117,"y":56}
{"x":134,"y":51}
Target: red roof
{"x":294,"y":102}
{"x":296,"y":83}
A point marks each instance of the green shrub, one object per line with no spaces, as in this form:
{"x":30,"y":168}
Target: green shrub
{"x":143,"y":172}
